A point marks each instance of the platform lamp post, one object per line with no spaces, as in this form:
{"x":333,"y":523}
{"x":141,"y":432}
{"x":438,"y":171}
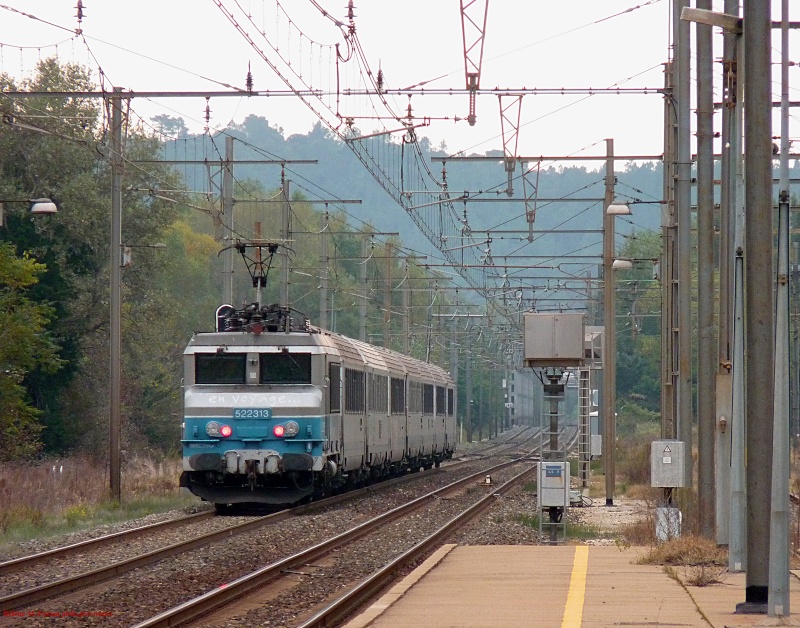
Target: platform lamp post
{"x":612,"y":210}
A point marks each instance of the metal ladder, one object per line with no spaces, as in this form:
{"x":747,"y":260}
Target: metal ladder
{"x":584,"y":435}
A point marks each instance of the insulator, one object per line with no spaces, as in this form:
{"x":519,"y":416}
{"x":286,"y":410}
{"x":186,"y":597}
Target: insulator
{"x":233,"y":324}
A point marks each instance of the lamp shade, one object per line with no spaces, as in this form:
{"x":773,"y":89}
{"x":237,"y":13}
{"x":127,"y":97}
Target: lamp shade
{"x":619,"y":209}
{"x":42,"y":206}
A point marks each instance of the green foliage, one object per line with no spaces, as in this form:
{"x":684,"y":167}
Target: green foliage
{"x":634,"y":419}
{"x":633,"y":461}
{"x":638,"y":324}
{"x":24,"y":346}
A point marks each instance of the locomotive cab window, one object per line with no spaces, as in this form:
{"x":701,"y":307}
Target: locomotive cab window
{"x":220,"y":368}
{"x":285,"y":368}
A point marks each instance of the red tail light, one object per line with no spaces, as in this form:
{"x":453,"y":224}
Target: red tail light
{"x":278,"y":430}
{"x":225,"y":431}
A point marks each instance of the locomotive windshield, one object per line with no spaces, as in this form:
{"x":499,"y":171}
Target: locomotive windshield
{"x":285,"y":368}
{"x":220,"y":368}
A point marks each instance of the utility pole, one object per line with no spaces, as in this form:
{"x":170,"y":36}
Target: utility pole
{"x":706,"y":350}
{"x":115,"y":465}
{"x":759,"y":303}
{"x":668,"y":269}
{"x":286,"y":234}
{"x":407,"y":312}
{"x":323,"y":272}
{"x":387,"y":299}
{"x":724,"y":389}
{"x":683,"y":211}
{"x":453,"y":351}
{"x":609,"y":332}
{"x":781,"y":517}
{"x":468,"y":395}
{"x":227,"y":212}
{"x":362,"y":307}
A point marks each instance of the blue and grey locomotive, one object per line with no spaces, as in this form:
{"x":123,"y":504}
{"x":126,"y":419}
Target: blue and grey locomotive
{"x":277,"y":411}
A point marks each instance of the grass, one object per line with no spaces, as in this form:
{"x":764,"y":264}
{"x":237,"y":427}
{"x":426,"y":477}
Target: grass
{"x":696,"y":560}
{"x":574,"y":531}
{"x":66,"y":495}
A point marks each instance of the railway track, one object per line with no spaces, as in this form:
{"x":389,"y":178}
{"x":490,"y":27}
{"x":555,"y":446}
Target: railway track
{"x":230,"y":592}
{"x":124,"y":536}
{"x":357,"y":597}
{"x":32,"y":595}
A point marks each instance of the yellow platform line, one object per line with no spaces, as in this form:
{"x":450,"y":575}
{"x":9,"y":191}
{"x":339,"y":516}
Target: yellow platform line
{"x":573,"y":612}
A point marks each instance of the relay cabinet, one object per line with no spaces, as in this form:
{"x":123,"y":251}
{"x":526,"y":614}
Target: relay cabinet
{"x":553,"y":484}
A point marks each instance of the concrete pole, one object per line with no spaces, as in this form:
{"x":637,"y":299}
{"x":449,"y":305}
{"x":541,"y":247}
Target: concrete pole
{"x":387,"y":299}
{"x":323,"y":272}
{"x":781,"y":516}
{"x":737,"y":543}
{"x":683,"y":211}
{"x":362,"y":306}
{"x":609,"y":333}
{"x":286,"y":235}
{"x":726,"y":286}
{"x":707,"y":349}
{"x":407,"y":313}
{"x":468,"y":395}
{"x":115,"y":384}
{"x":453,"y":352}
{"x":227,"y":213}
{"x":759,"y":302}
{"x":258,"y":260}
{"x":668,"y":323}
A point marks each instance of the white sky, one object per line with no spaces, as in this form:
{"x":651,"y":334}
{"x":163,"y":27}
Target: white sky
{"x":173,"y":44}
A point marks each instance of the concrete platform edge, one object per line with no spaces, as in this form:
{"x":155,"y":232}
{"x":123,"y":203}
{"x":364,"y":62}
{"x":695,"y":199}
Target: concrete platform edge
{"x":398,"y":590}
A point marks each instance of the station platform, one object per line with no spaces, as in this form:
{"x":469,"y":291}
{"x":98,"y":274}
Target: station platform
{"x":559,"y":586}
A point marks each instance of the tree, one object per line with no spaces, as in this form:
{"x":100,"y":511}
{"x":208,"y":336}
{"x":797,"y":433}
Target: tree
{"x":24,"y":346}
{"x":638,"y":339}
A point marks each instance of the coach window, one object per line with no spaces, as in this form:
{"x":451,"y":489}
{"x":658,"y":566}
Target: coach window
{"x":427,"y":399}
{"x":220,"y":368}
{"x":285,"y":368}
{"x":335,"y":387}
{"x":398,"y":395}
{"x":441,"y":403}
{"x":354,"y":391}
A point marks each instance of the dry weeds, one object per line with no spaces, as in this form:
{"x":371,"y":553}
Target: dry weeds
{"x":70,"y":487}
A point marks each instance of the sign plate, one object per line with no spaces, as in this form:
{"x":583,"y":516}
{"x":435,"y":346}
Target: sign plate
{"x":252,"y":413}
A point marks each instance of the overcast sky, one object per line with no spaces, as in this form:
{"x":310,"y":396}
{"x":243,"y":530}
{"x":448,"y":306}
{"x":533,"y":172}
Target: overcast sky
{"x":192,"y":45}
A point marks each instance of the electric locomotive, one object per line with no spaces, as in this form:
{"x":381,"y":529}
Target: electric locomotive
{"x":278,"y":411}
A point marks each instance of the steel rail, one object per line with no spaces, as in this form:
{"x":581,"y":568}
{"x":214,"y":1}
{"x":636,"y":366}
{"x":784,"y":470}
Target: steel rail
{"x":343,"y":607}
{"x":226,"y":593}
{"x":66,"y":585}
{"x":59,"y":552}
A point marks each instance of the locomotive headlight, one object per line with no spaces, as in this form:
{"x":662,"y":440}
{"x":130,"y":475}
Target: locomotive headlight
{"x":286,"y":430}
{"x":212,"y":429}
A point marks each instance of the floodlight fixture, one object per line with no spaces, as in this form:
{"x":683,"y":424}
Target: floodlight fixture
{"x":619,"y":208}
{"x":621,"y":264}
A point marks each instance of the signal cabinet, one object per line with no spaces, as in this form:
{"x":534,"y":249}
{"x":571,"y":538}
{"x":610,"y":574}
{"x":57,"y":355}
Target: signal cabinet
{"x":553,"y":484}
{"x":667,"y":463}
{"x":554,"y":339}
